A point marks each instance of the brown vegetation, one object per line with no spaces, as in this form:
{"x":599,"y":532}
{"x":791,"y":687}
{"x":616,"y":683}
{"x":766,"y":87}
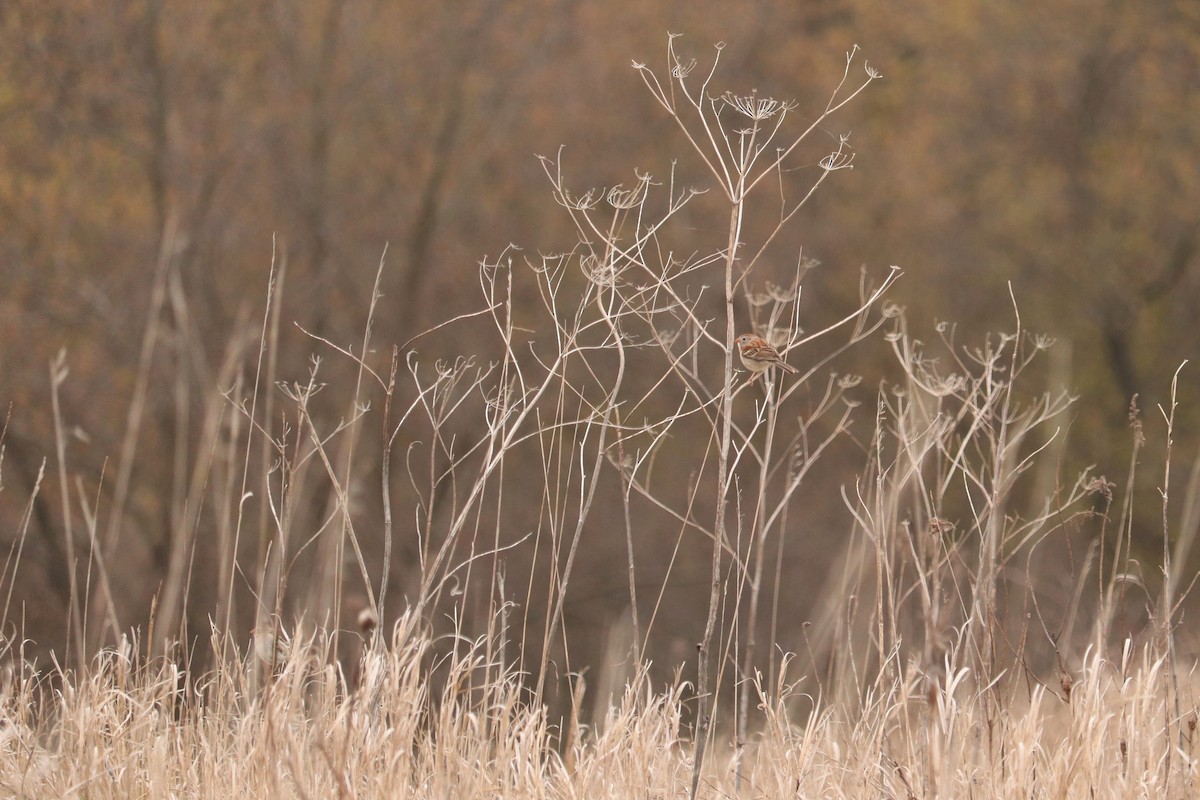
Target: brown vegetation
{"x":574,"y":535}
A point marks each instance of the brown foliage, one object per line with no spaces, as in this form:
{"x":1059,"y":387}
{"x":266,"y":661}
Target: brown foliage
{"x":164,"y":144}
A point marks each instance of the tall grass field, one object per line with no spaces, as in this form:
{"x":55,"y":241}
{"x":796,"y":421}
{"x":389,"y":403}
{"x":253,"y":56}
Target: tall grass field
{"x":375,"y":584}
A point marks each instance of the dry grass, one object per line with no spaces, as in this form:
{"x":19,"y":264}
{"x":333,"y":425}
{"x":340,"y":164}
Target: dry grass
{"x":124,"y":730}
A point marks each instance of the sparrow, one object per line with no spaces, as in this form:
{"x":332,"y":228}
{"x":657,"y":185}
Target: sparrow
{"x":758,"y":355}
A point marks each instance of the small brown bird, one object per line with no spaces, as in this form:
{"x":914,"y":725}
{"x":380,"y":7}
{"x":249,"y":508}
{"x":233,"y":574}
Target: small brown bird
{"x":758,"y":355}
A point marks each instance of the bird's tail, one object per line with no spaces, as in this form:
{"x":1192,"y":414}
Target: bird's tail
{"x":788,"y":368}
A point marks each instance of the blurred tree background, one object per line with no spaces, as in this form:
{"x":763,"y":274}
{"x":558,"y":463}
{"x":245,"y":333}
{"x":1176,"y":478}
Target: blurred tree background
{"x":1055,"y":146}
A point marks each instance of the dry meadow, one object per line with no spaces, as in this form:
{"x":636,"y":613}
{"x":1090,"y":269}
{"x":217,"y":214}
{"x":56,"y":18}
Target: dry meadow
{"x":370,"y":585}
